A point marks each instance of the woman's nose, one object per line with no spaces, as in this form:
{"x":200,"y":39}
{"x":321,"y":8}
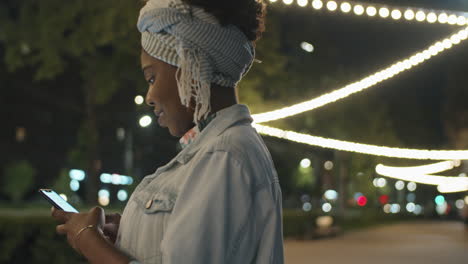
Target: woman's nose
{"x":149,"y":101}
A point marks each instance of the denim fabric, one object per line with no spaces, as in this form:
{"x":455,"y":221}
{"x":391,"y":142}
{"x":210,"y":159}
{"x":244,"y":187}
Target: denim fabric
{"x":217,"y":201}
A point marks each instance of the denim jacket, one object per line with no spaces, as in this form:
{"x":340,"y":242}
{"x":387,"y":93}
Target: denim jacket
{"x":218,"y":201}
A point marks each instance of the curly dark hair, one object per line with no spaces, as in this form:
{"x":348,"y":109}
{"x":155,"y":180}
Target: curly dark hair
{"x":247,"y":15}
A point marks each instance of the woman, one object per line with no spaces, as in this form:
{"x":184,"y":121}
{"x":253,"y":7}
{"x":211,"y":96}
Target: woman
{"x":218,"y":200}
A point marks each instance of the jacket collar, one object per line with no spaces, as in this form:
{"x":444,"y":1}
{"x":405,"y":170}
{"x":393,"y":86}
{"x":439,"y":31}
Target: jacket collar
{"x":224,"y":119}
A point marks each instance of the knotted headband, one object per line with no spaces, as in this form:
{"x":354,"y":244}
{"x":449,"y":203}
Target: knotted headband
{"x":204,"y":51}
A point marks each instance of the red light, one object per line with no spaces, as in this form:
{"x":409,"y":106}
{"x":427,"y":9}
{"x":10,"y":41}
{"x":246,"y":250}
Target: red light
{"x":383,"y":199}
{"x":361,"y":200}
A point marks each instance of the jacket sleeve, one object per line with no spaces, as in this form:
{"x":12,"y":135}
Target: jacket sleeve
{"x":211,"y":212}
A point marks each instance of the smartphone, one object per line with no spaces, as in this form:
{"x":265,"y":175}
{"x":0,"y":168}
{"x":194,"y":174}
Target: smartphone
{"x":57,"y":201}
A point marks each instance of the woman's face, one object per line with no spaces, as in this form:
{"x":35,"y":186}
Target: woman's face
{"x":163,"y":95}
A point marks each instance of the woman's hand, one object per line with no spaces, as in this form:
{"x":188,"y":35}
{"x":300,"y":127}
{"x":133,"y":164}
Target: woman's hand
{"x":111,"y":227}
{"x":74,"y":222}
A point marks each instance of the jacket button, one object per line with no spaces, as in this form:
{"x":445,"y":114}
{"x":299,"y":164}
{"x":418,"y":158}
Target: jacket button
{"x":149,"y":203}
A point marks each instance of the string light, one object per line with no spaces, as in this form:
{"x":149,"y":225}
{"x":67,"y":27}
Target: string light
{"x":409,"y":14}
{"x":453,"y":187}
{"x":420,"y":16}
{"x":461,"y":20}
{"x":345,"y":7}
{"x":443,"y":17}
{"x":363,"y":148}
{"x":396,"y":14}
{"x":445,"y":184}
{"x":383,"y":12}
{"x":371,"y":11}
{"x":453,"y":18}
{"x":431,"y":17}
{"x":424,"y":169}
{"x":332,"y":5}
{"x":366,"y":82}
{"x":302,"y":3}
{"x":358,"y":10}
{"x":317,"y":4}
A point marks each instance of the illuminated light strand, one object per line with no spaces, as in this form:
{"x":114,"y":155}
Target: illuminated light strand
{"x":422,"y":15}
{"x":375,"y":150}
{"x":366,"y":82}
{"x":453,"y":187}
{"x":424,"y":169}
{"x":445,"y":184}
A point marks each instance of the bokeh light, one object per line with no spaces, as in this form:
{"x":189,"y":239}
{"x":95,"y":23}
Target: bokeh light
{"x":384,"y":12}
{"x":74,"y":185}
{"x":331,"y":195}
{"x":409,"y":14}
{"x":411,"y":186}
{"x":400,"y":185}
{"x":139,"y":99}
{"x":302,"y":3}
{"x":358,"y":10}
{"x":328,"y":165}
{"x":317,"y":4}
{"x":345,"y":7}
{"x":395,"y":208}
{"x":332,"y":5}
{"x":410,"y":207}
{"x":396,"y":14}
{"x":326,"y":207}
{"x":145,"y":121}
{"x":122,"y":195}
{"x":307,"y":47}
{"x":371,"y":11}
{"x":439,"y":199}
{"x":383,"y":199}
{"x":420,"y":16}
{"x":305,"y":163}
{"x":64,"y":196}
{"x":460,"y":204}
{"x":387,"y":208}
{"x":362,"y":201}
{"x":411,"y":197}
{"x":307,"y":207}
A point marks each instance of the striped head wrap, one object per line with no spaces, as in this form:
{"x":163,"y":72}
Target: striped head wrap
{"x":204,"y":51}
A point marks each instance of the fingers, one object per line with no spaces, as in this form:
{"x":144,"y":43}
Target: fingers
{"x":60,"y":229}
{"x":113,"y":218}
{"x":60,"y":215}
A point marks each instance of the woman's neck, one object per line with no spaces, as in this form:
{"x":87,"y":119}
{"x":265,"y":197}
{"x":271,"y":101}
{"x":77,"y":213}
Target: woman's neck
{"x":222,"y":97}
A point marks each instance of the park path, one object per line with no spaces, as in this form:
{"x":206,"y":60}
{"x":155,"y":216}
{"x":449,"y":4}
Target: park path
{"x":403,"y":243}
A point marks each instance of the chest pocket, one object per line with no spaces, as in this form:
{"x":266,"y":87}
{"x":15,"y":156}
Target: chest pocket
{"x":153,"y":203}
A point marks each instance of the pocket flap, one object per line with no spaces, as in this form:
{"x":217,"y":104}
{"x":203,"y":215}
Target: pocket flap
{"x":159,"y":202}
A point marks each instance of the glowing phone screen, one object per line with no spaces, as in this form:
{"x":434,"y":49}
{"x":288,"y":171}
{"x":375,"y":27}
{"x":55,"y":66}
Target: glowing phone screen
{"x":59,"y":201}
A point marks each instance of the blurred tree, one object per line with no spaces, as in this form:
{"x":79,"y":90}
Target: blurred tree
{"x":18,"y":180}
{"x":98,"y":38}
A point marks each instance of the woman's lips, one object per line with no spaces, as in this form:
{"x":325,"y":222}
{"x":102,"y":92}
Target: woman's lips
{"x":160,"y":116}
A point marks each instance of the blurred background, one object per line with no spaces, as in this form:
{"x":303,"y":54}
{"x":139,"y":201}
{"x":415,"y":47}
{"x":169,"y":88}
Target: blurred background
{"x":73,"y":119}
